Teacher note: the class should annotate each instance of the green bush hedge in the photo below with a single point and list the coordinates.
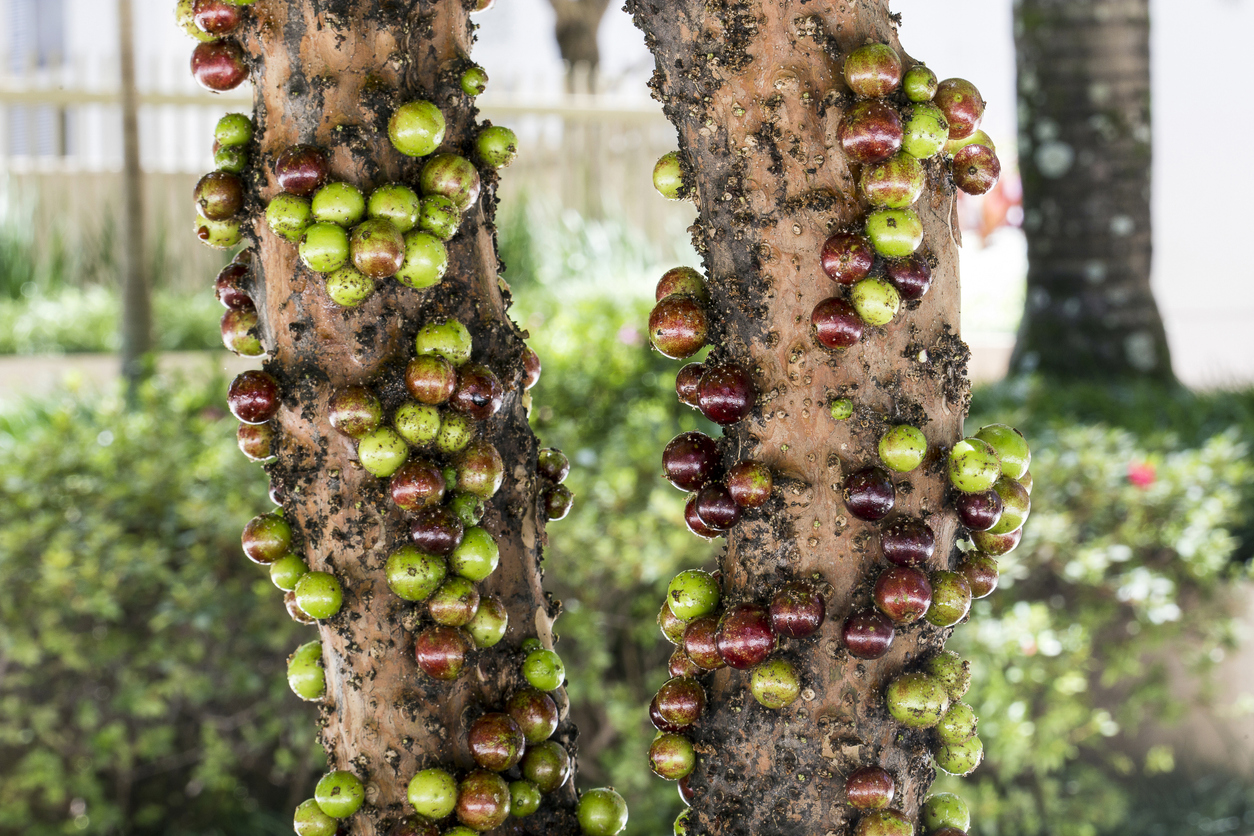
(142, 684)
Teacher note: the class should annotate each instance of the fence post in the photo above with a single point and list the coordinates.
(136, 296)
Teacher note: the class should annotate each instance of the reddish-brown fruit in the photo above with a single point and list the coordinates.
(835, 324)
(535, 713)
(996, 544)
(680, 665)
(229, 288)
(744, 637)
(981, 573)
(217, 17)
(797, 610)
(659, 721)
(869, 493)
(417, 484)
(847, 257)
(354, 411)
(219, 65)
(301, 169)
(681, 280)
(750, 484)
(903, 594)
(725, 394)
(911, 276)
(482, 801)
(531, 368)
(678, 326)
(961, 104)
(430, 379)
(907, 541)
(219, 195)
(478, 393)
(976, 169)
(436, 530)
(256, 441)
(496, 741)
(552, 464)
(680, 701)
(700, 645)
(870, 788)
(870, 132)
(716, 508)
(867, 634)
(441, 651)
(253, 397)
(979, 511)
(690, 460)
(694, 523)
(377, 248)
(557, 501)
(687, 381)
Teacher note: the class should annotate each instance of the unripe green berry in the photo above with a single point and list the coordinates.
(875, 300)
(919, 83)
(456, 433)
(680, 827)
(902, 448)
(439, 216)
(491, 621)
(338, 203)
(232, 158)
(287, 570)
(973, 466)
(926, 131)
(233, 129)
(339, 794)
(448, 339)
(884, 823)
(497, 146)
(692, 593)
(221, 235)
(944, 809)
(524, 798)
(953, 146)
(895, 233)
(775, 683)
(476, 556)
(960, 758)
(951, 598)
(396, 203)
(426, 261)
(601, 812)
(951, 671)
(467, 507)
(433, 793)
(917, 700)
(841, 409)
(414, 574)
(319, 595)
(668, 176)
(1010, 446)
(348, 288)
(1016, 504)
(382, 452)
(417, 423)
(958, 725)
(416, 128)
(544, 670)
(305, 675)
(474, 81)
(309, 820)
(288, 216)
(324, 248)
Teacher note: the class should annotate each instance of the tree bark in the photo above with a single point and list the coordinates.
(132, 260)
(756, 92)
(1084, 154)
(330, 73)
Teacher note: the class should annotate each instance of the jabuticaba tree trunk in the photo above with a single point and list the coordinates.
(330, 73)
(756, 93)
(1084, 154)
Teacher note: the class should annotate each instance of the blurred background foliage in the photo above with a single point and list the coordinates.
(142, 657)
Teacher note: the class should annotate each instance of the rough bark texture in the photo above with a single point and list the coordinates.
(756, 92)
(1084, 153)
(330, 73)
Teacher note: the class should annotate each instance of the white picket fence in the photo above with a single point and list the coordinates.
(60, 151)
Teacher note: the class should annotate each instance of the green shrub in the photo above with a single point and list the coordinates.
(143, 685)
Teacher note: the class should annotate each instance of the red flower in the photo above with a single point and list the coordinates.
(1141, 474)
